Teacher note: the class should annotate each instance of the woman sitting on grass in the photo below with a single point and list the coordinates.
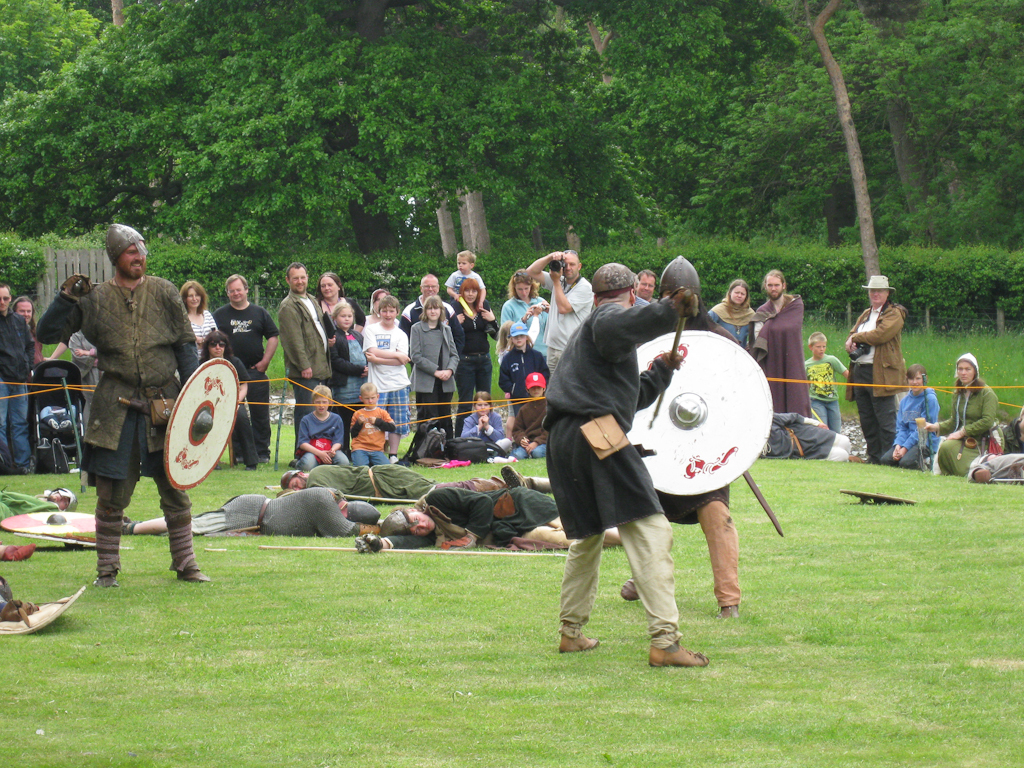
(974, 414)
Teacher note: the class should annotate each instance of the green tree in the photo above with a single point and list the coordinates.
(38, 37)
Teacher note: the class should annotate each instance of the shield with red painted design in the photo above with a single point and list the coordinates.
(714, 420)
(201, 423)
(53, 526)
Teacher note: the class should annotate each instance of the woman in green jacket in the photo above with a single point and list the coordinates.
(974, 415)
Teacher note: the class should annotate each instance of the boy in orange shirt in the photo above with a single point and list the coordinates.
(369, 426)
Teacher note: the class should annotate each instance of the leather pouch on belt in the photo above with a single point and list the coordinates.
(504, 506)
(160, 410)
(604, 435)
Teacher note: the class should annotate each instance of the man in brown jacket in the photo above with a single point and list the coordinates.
(304, 341)
(876, 358)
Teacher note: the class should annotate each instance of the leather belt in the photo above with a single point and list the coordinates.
(263, 511)
(376, 490)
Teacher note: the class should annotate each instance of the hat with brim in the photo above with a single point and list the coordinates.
(518, 329)
(878, 283)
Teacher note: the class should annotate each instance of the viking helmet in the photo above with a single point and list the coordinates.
(67, 494)
(613, 278)
(395, 524)
(679, 274)
(119, 237)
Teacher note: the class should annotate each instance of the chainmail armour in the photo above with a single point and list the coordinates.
(312, 512)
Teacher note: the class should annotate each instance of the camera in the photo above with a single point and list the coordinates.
(859, 351)
(556, 265)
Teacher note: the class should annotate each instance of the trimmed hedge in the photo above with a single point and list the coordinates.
(969, 282)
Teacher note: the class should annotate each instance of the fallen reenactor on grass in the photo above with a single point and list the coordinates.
(989, 468)
(456, 518)
(312, 512)
(390, 481)
(797, 437)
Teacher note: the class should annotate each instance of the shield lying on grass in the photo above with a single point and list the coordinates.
(65, 527)
(47, 614)
(877, 498)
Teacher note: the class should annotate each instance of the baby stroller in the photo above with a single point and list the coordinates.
(53, 426)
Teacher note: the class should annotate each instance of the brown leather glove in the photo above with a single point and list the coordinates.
(76, 286)
(369, 542)
(18, 610)
(685, 302)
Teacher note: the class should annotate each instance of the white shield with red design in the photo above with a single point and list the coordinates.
(201, 423)
(714, 420)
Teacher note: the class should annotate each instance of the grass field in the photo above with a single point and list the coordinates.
(869, 636)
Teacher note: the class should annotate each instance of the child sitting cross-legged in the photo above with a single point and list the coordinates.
(529, 436)
(321, 434)
(370, 426)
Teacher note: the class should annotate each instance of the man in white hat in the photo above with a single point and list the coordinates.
(876, 358)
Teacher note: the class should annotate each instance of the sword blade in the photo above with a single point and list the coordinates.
(764, 502)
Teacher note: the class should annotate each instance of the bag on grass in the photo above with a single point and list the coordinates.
(472, 449)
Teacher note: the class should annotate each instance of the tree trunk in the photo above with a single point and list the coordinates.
(869, 248)
(449, 245)
(537, 237)
(572, 239)
(117, 11)
(372, 230)
(600, 45)
(475, 235)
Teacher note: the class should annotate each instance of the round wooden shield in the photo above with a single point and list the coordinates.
(714, 420)
(47, 614)
(201, 423)
(78, 525)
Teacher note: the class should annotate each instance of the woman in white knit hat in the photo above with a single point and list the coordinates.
(967, 428)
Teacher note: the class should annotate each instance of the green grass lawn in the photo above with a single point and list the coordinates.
(869, 636)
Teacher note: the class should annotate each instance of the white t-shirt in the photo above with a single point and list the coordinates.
(455, 280)
(387, 378)
(562, 327)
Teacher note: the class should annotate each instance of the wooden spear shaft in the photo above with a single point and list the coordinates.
(429, 551)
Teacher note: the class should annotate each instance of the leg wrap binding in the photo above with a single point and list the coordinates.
(108, 541)
(179, 531)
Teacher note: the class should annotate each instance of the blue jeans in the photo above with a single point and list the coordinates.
(14, 413)
(538, 453)
(369, 459)
(828, 412)
(308, 461)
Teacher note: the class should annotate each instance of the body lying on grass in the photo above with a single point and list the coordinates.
(312, 512)
(391, 481)
(456, 518)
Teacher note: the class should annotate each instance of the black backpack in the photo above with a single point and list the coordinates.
(427, 443)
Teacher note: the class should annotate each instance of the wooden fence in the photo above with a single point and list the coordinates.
(60, 265)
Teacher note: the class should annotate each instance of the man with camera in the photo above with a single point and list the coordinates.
(572, 299)
(878, 362)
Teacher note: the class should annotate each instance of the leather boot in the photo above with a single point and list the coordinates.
(676, 656)
(575, 644)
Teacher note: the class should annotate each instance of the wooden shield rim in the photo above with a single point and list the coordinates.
(167, 434)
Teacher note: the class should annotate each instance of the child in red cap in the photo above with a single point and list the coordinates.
(529, 438)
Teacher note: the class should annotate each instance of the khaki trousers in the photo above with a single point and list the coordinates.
(724, 551)
(648, 544)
